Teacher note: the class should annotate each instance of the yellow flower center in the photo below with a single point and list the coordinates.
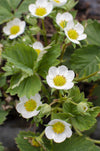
(40, 11)
(38, 51)
(59, 80)
(35, 143)
(14, 29)
(30, 105)
(63, 23)
(58, 127)
(57, 1)
(72, 34)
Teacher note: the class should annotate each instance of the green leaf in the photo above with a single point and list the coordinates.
(85, 122)
(76, 143)
(5, 15)
(23, 8)
(69, 5)
(1, 147)
(22, 57)
(93, 33)
(84, 61)
(76, 95)
(3, 115)
(2, 80)
(23, 143)
(28, 87)
(62, 116)
(49, 59)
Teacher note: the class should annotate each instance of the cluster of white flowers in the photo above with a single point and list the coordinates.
(58, 78)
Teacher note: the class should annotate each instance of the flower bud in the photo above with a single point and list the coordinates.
(82, 107)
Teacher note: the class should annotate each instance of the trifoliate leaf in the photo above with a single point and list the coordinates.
(76, 143)
(93, 33)
(3, 115)
(49, 59)
(28, 87)
(85, 61)
(22, 57)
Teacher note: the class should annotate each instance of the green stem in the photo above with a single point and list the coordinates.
(84, 78)
(63, 50)
(73, 103)
(93, 140)
(77, 131)
(44, 32)
(42, 134)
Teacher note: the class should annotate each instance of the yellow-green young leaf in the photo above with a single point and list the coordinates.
(85, 61)
(22, 57)
(76, 143)
(49, 59)
(85, 122)
(93, 33)
(1, 147)
(28, 87)
(23, 144)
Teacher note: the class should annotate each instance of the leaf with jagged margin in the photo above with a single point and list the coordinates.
(23, 143)
(23, 8)
(3, 115)
(22, 57)
(85, 122)
(93, 33)
(28, 87)
(69, 5)
(5, 15)
(76, 95)
(10, 69)
(49, 59)
(76, 143)
(84, 61)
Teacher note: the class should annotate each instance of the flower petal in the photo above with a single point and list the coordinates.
(79, 28)
(82, 37)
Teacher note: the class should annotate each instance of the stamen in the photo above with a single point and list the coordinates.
(59, 80)
(63, 23)
(57, 1)
(41, 11)
(72, 34)
(58, 127)
(30, 105)
(14, 30)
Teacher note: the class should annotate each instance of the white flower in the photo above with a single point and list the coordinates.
(39, 48)
(63, 19)
(58, 130)
(14, 28)
(75, 32)
(28, 107)
(60, 78)
(58, 3)
(41, 8)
